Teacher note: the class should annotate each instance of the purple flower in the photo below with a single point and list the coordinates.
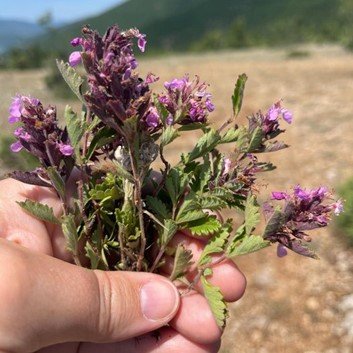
(16, 147)
(281, 250)
(276, 111)
(15, 110)
(303, 210)
(151, 78)
(65, 149)
(75, 58)
(76, 42)
(176, 84)
(279, 195)
(227, 163)
(152, 118)
(210, 106)
(169, 121)
(141, 42)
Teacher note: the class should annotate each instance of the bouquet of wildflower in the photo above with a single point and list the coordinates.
(120, 211)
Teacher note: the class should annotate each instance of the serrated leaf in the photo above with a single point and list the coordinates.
(211, 202)
(192, 126)
(157, 207)
(190, 216)
(231, 135)
(169, 135)
(72, 78)
(252, 214)
(189, 211)
(57, 181)
(256, 140)
(216, 245)
(275, 222)
(237, 97)
(40, 211)
(182, 261)
(169, 230)
(70, 232)
(175, 184)
(248, 245)
(204, 145)
(204, 226)
(223, 193)
(74, 127)
(216, 302)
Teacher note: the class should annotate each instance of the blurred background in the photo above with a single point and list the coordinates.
(298, 50)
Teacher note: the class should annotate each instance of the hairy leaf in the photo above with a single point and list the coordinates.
(248, 245)
(204, 226)
(72, 78)
(157, 207)
(216, 302)
(231, 135)
(274, 223)
(212, 203)
(169, 135)
(256, 140)
(92, 255)
(169, 230)
(190, 216)
(40, 211)
(237, 97)
(70, 232)
(204, 145)
(182, 261)
(252, 214)
(216, 245)
(75, 127)
(57, 181)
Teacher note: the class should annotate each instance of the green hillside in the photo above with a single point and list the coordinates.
(180, 24)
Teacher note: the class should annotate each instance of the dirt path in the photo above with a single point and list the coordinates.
(292, 305)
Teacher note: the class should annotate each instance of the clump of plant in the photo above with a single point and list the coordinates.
(120, 211)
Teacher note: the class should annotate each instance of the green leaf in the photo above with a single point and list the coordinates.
(192, 126)
(252, 214)
(204, 145)
(248, 245)
(216, 245)
(122, 172)
(189, 211)
(70, 232)
(211, 202)
(182, 261)
(190, 216)
(256, 140)
(157, 207)
(216, 302)
(169, 135)
(72, 78)
(237, 97)
(169, 230)
(93, 256)
(231, 135)
(75, 127)
(57, 181)
(274, 223)
(40, 211)
(101, 138)
(204, 226)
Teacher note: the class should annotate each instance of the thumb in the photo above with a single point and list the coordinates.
(59, 302)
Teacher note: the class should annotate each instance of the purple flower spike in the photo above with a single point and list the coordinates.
(281, 250)
(16, 147)
(338, 207)
(15, 110)
(169, 121)
(210, 106)
(141, 42)
(66, 150)
(287, 116)
(75, 58)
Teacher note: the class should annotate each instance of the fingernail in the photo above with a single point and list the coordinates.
(159, 300)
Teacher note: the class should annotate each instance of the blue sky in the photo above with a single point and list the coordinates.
(62, 10)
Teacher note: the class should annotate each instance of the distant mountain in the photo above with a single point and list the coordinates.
(14, 33)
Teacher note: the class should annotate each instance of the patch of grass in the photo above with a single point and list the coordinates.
(298, 54)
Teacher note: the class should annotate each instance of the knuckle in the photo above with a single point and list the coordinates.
(118, 301)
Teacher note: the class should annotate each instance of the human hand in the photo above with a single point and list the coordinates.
(50, 305)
